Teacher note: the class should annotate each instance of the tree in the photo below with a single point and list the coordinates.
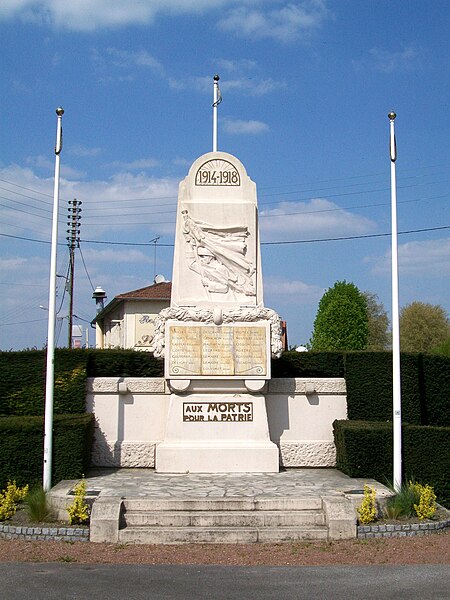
(423, 327)
(341, 321)
(379, 334)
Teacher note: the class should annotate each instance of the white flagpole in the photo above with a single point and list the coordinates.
(396, 377)
(217, 99)
(49, 382)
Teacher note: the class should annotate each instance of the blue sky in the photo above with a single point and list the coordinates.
(306, 90)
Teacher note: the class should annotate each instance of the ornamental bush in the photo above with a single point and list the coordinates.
(9, 499)
(368, 510)
(79, 509)
(342, 321)
(427, 502)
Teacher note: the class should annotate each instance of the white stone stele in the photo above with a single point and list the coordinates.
(217, 259)
(211, 442)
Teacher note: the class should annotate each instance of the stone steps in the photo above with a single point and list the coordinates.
(186, 518)
(221, 520)
(219, 535)
(232, 520)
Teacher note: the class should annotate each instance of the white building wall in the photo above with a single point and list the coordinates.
(130, 325)
(131, 416)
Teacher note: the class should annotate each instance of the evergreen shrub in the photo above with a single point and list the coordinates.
(436, 385)
(23, 377)
(365, 449)
(123, 363)
(23, 382)
(308, 364)
(22, 447)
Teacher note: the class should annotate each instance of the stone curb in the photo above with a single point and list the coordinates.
(55, 534)
(408, 530)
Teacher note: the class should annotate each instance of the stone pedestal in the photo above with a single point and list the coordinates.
(217, 433)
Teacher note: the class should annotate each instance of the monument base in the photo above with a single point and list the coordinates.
(217, 458)
(217, 433)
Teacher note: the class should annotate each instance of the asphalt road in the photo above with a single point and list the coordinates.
(197, 582)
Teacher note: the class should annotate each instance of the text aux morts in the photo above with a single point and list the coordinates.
(223, 412)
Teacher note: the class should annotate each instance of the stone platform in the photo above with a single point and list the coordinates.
(142, 506)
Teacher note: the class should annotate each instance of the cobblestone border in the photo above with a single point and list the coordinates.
(55, 534)
(387, 531)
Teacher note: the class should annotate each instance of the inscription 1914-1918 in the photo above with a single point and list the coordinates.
(217, 172)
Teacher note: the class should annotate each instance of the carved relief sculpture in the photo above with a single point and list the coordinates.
(218, 256)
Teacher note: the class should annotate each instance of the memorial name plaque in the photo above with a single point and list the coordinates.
(185, 347)
(224, 351)
(220, 412)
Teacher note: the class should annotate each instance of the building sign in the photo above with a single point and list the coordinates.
(219, 412)
(144, 329)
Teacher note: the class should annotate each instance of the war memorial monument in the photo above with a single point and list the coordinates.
(217, 337)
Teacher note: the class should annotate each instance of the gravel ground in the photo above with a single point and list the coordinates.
(429, 549)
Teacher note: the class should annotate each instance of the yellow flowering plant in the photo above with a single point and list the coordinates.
(9, 498)
(79, 509)
(427, 502)
(368, 509)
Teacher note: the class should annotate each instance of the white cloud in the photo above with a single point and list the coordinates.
(303, 220)
(26, 279)
(82, 151)
(426, 259)
(139, 58)
(111, 256)
(43, 162)
(140, 163)
(248, 85)
(247, 18)
(231, 66)
(90, 15)
(292, 290)
(124, 202)
(238, 126)
(119, 65)
(387, 61)
(285, 24)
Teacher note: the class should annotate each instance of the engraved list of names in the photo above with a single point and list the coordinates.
(218, 351)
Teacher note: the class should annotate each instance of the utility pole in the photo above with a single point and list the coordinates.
(73, 240)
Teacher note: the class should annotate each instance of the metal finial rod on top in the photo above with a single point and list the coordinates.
(217, 99)
(396, 377)
(49, 382)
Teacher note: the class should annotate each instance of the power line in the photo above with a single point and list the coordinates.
(24, 284)
(314, 190)
(355, 237)
(22, 322)
(85, 268)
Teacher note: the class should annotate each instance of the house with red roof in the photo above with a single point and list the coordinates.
(128, 320)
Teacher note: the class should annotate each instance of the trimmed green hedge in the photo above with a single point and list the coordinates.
(23, 382)
(22, 448)
(425, 380)
(308, 364)
(23, 377)
(369, 387)
(365, 449)
(123, 363)
(368, 375)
